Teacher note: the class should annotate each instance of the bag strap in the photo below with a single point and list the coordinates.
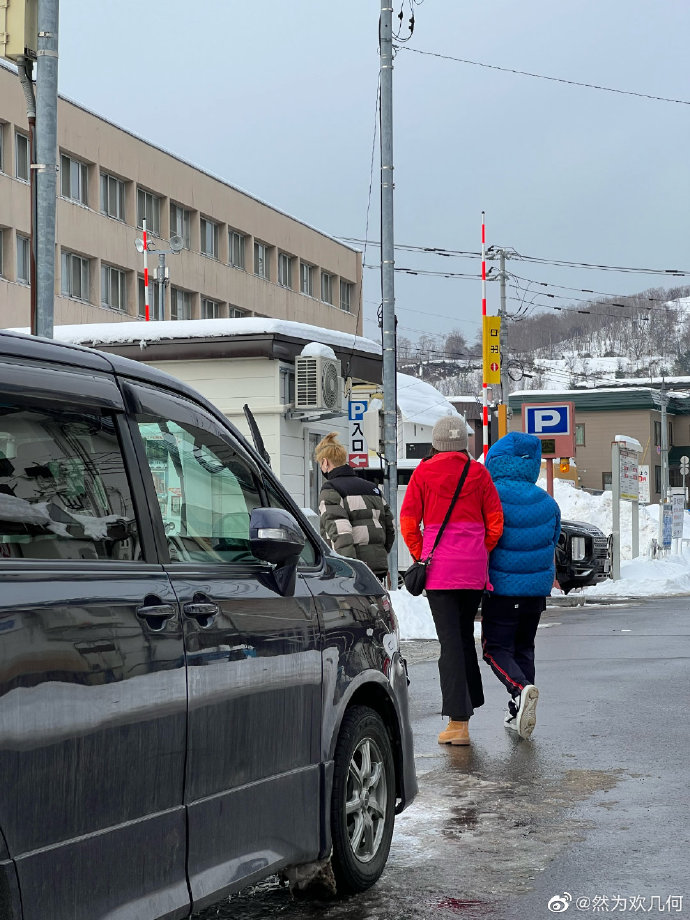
(455, 497)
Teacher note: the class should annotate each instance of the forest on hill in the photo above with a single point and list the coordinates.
(583, 344)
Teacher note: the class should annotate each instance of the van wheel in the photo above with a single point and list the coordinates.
(363, 802)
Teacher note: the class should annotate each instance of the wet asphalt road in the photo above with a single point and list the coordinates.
(594, 807)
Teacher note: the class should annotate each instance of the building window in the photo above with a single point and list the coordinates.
(261, 256)
(21, 156)
(657, 434)
(112, 196)
(606, 482)
(2, 245)
(154, 300)
(284, 270)
(657, 479)
(180, 219)
(113, 288)
(23, 259)
(236, 241)
(326, 287)
(74, 280)
(73, 179)
(209, 238)
(180, 304)
(149, 208)
(306, 279)
(345, 296)
(580, 435)
(287, 386)
(210, 309)
(236, 313)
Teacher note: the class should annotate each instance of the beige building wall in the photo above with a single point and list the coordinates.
(96, 244)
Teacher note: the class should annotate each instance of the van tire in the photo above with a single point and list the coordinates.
(363, 801)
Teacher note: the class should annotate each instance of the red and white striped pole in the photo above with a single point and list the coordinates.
(485, 407)
(146, 272)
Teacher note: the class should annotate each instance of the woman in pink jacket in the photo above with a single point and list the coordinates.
(458, 572)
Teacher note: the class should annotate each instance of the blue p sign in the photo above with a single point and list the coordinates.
(356, 409)
(547, 420)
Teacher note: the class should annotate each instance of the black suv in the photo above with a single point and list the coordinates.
(582, 555)
(195, 692)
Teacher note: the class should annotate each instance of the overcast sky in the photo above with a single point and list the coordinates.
(279, 99)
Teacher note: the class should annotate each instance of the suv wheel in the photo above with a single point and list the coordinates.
(363, 803)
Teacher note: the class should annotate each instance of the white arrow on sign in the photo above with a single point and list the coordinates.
(358, 460)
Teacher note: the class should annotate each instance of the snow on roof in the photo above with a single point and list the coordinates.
(550, 394)
(143, 333)
(422, 403)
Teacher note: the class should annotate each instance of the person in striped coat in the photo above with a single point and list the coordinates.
(354, 517)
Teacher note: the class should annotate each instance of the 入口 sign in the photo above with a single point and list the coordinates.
(358, 448)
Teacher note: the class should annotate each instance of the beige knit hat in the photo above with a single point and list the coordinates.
(450, 433)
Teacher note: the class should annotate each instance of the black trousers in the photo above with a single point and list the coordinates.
(509, 625)
(458, 668)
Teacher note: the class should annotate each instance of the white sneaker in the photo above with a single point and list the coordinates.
(526, 718)
(510, 720)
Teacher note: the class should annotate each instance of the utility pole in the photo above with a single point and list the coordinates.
(161, 277)
(390, 404)
(25, 70)
(46, 165)
(504, 330)
(661, 399)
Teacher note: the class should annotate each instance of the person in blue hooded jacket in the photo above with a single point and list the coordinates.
(521, 570)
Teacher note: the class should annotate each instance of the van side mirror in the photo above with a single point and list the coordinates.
(275, 536)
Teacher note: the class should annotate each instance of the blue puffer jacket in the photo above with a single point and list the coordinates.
(522, 564)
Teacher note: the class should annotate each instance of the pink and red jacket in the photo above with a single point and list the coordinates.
(475, 525)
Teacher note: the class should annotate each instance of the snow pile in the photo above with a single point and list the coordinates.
(642, 577)
(421, 402)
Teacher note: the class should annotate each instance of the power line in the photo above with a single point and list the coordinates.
(514, 254)
(539, 76)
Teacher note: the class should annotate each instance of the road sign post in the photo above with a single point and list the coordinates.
(554, 425)
(625, 486)
(684, 470)
(358, 449)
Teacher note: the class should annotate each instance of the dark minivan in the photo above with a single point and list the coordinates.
(195, 693)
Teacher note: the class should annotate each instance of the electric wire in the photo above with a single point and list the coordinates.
(539, 76)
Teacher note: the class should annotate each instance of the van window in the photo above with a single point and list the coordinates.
(64, 493)
(205, 492)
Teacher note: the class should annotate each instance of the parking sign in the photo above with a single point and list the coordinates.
(553, 424)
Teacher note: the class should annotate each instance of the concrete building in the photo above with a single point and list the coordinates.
(240, 257)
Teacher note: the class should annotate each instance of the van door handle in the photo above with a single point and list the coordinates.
(203, 611)
(156, 615)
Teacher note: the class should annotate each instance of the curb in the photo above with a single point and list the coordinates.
(581, 600)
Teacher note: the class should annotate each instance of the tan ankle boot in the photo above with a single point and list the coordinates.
(455, 733)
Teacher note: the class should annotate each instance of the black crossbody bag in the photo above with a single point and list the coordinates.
(415, 576)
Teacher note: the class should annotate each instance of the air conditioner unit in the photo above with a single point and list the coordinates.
(318, 384)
